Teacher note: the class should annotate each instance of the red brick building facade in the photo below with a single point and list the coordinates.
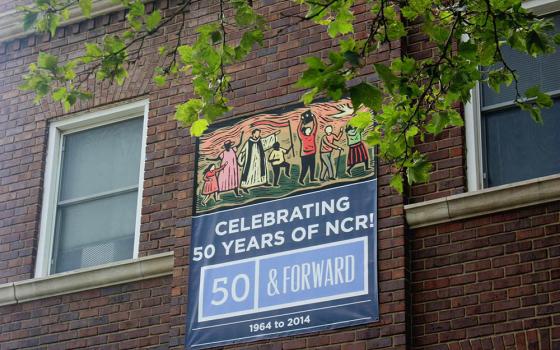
(452, 274)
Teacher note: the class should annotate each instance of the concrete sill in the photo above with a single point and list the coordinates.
(487, 201)
(88, 278)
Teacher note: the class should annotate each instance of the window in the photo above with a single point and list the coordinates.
(504, 144)
(92, 197)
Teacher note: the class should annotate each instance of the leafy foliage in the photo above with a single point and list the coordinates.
(414, 98)
(420, 98)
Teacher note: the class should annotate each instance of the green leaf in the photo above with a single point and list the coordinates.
(153, 20)
(406, 66)
(71, 98)
(409, 13)
(367, 95)
(186, 52)
(120, 75)
(314, 62)
(245, 16)
(136, 9)
(340, 26)
(188, 112)
(216, 36)
(308, 96)
(214, 110)
(419, 171)
(311, 78)
(128, 34)
(53, 24)
(59, 94)
(85, 5)
(47, 61)
(347, 45)
(455, 118)
(467, 50)
(534, 111)
(198, 127)
(412, 131)
(159, 80)
(65, 14)
(541, 99)
(29, 20)
(362, 120)
(69, 74)
(536, 43)
(498, 77)
(397, 183)
(353, 58)
(135, 23)
(373, 138)
(386, 75)
(486, 54)
(438, 121)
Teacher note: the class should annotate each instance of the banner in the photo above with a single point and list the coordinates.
(284, 231)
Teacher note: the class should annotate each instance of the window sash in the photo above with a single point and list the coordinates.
(100, 195)
(110, 219)
(473, 111)
(57, 130)
(511, 104)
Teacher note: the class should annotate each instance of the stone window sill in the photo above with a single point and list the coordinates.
(487, 201)
(88, 278)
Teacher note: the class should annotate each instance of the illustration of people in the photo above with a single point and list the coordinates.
(211, 182)
(307, 136)
(277, 158)
(253, 160)
(228, 178)
(327, 147)
(357, 151)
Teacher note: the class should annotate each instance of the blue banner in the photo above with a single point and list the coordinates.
(287, 266)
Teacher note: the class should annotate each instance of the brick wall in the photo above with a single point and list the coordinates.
(491, 282)
(446, 150)
(264, 81)
(131, 316)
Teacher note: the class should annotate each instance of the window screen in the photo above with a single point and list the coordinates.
(515, 147)
(98, 191)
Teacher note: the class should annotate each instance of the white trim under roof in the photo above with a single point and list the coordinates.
(11, 22)
(11, 26)
(542, 7)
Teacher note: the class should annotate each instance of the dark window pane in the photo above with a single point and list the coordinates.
(517, 148)
(543, 71)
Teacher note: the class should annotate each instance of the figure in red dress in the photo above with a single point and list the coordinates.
(211, 182)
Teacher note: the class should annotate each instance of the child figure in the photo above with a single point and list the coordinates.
(278, 160)
(211, 182)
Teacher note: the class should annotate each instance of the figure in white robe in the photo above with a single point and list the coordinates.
(253, 160)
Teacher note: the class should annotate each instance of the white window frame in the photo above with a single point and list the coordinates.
(57, 130)
(473, 127)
